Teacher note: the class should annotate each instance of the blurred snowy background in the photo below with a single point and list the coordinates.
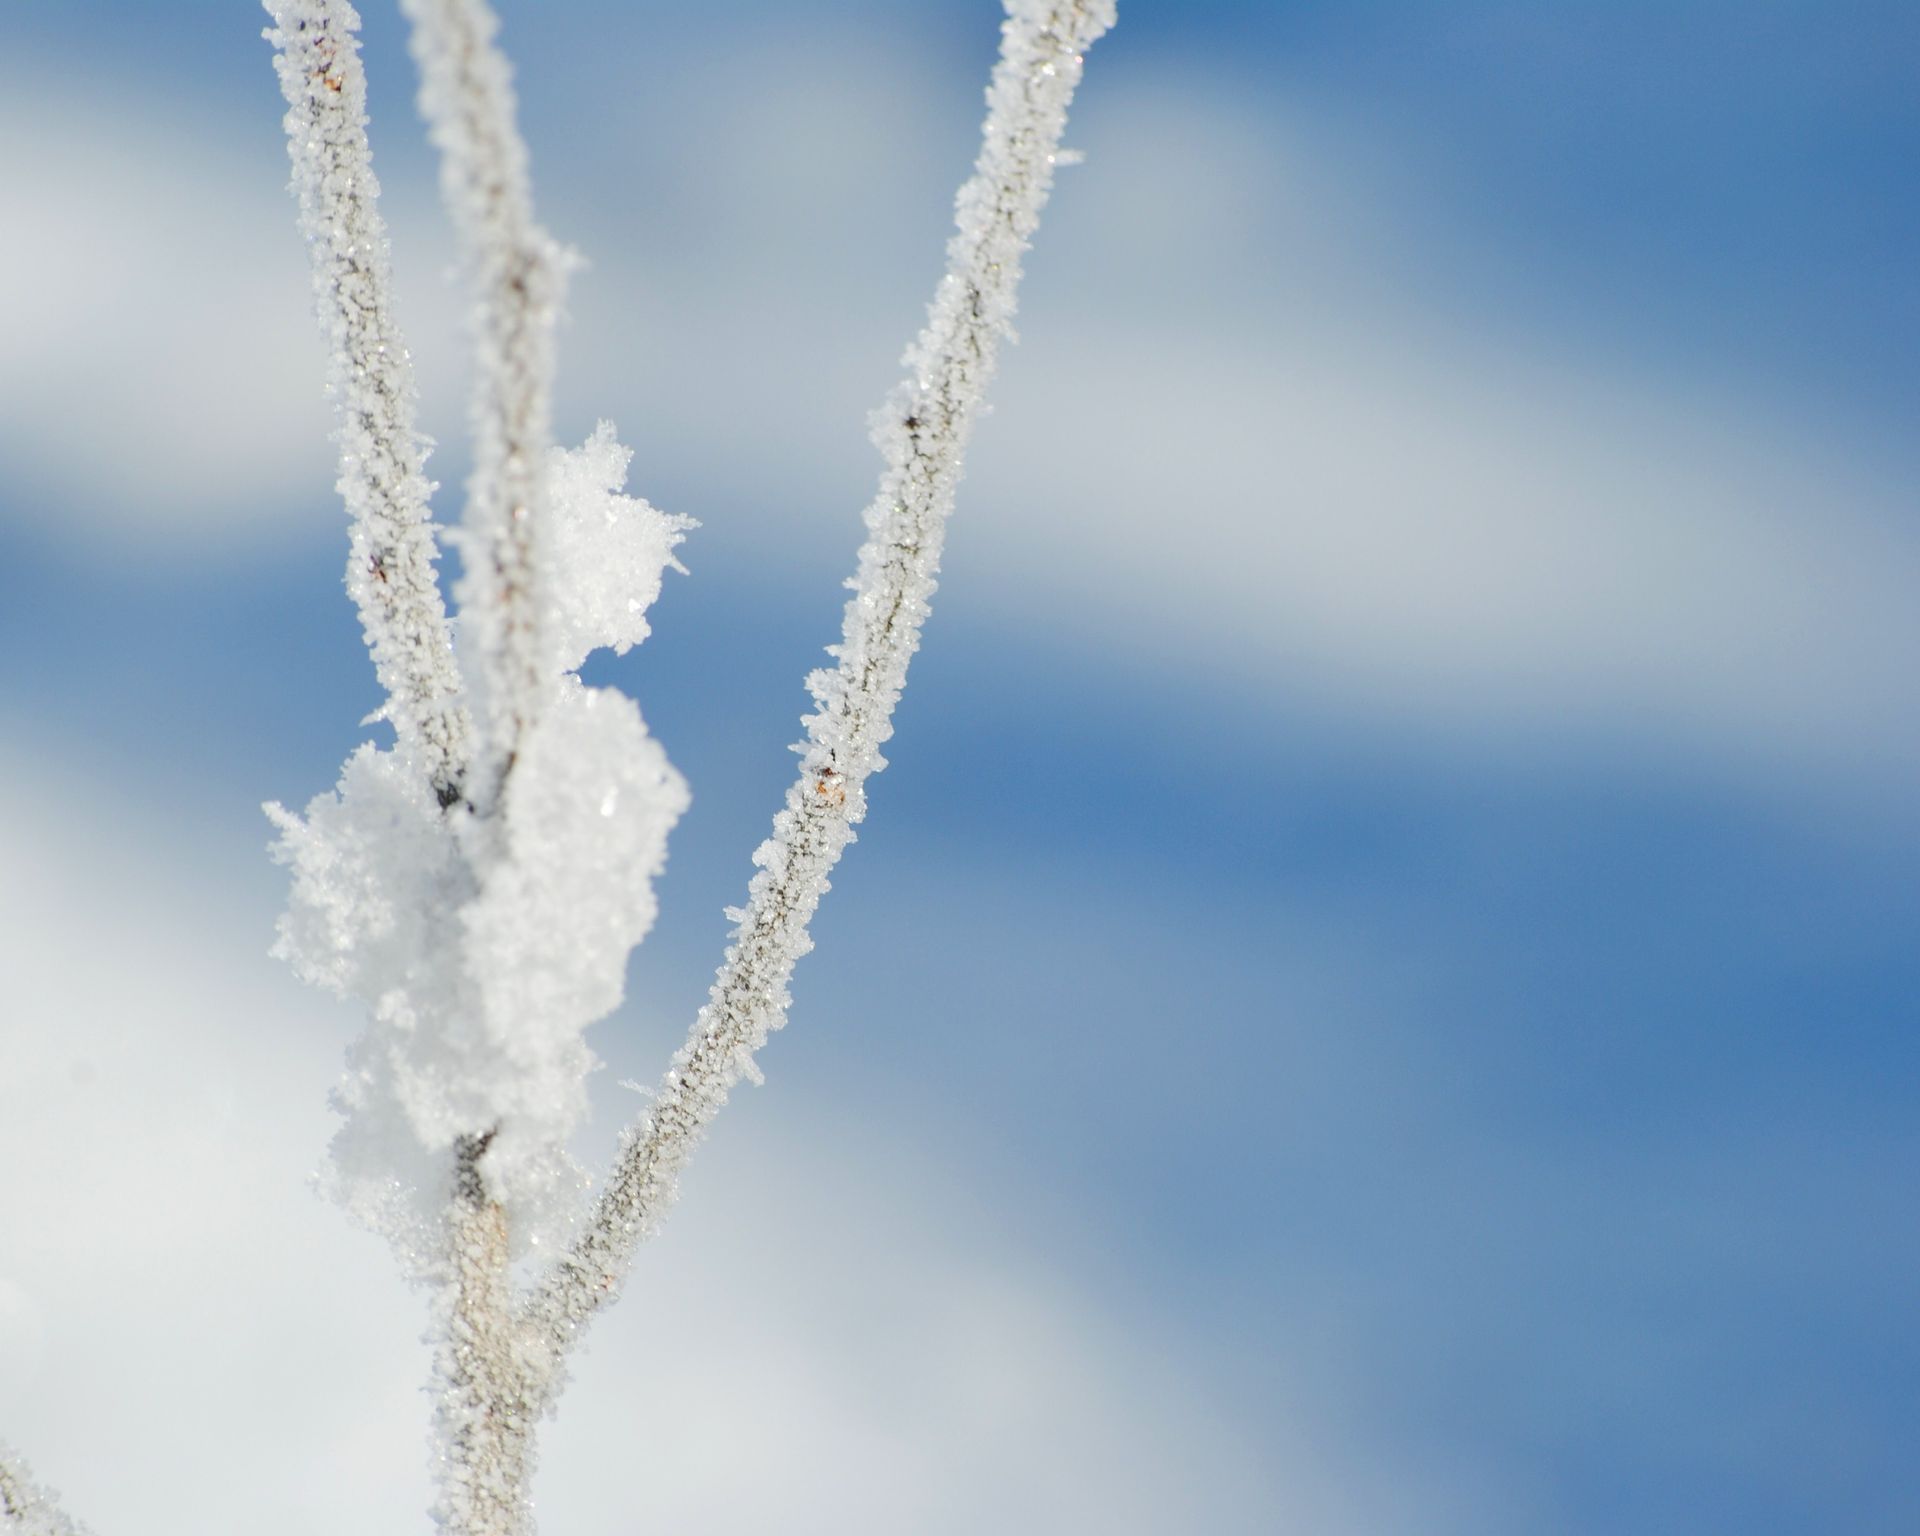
(1378, 994)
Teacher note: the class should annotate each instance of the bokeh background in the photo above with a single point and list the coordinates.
(1378, 993)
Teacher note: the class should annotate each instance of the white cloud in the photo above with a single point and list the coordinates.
(836, 1334)
(1243, 434)
(1450, 535)
(159, 380)
(1277, 440)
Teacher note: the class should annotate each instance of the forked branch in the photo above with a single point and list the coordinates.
(470, 986)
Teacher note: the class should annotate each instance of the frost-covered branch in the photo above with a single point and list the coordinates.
(26, 1509)
(485, 1417)
(516, 271)
(488, 1384)
(390, 570)
(922, 433)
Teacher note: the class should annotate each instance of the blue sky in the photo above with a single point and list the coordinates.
(1381, 977)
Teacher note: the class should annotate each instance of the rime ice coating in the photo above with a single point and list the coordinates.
(516, 273)
(483, 948)
(27, 1509)
(921, 433)
(383, 482)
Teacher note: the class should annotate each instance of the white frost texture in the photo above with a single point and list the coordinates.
(483, 948)
(606, 552)
(26, 1509)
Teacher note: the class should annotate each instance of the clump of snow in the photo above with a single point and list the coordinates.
(601, 545)
(374, 867)
(483, 948)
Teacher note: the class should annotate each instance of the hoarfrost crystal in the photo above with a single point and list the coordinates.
(601, 545)
(27, 1509)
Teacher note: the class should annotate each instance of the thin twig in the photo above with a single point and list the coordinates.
(922, 432)
(488, 1387)
(488, 1403)
(516, 272)
(390, 570)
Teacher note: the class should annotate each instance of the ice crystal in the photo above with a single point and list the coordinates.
(27, 1509)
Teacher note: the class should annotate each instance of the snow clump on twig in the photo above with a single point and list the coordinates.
(483, 947)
